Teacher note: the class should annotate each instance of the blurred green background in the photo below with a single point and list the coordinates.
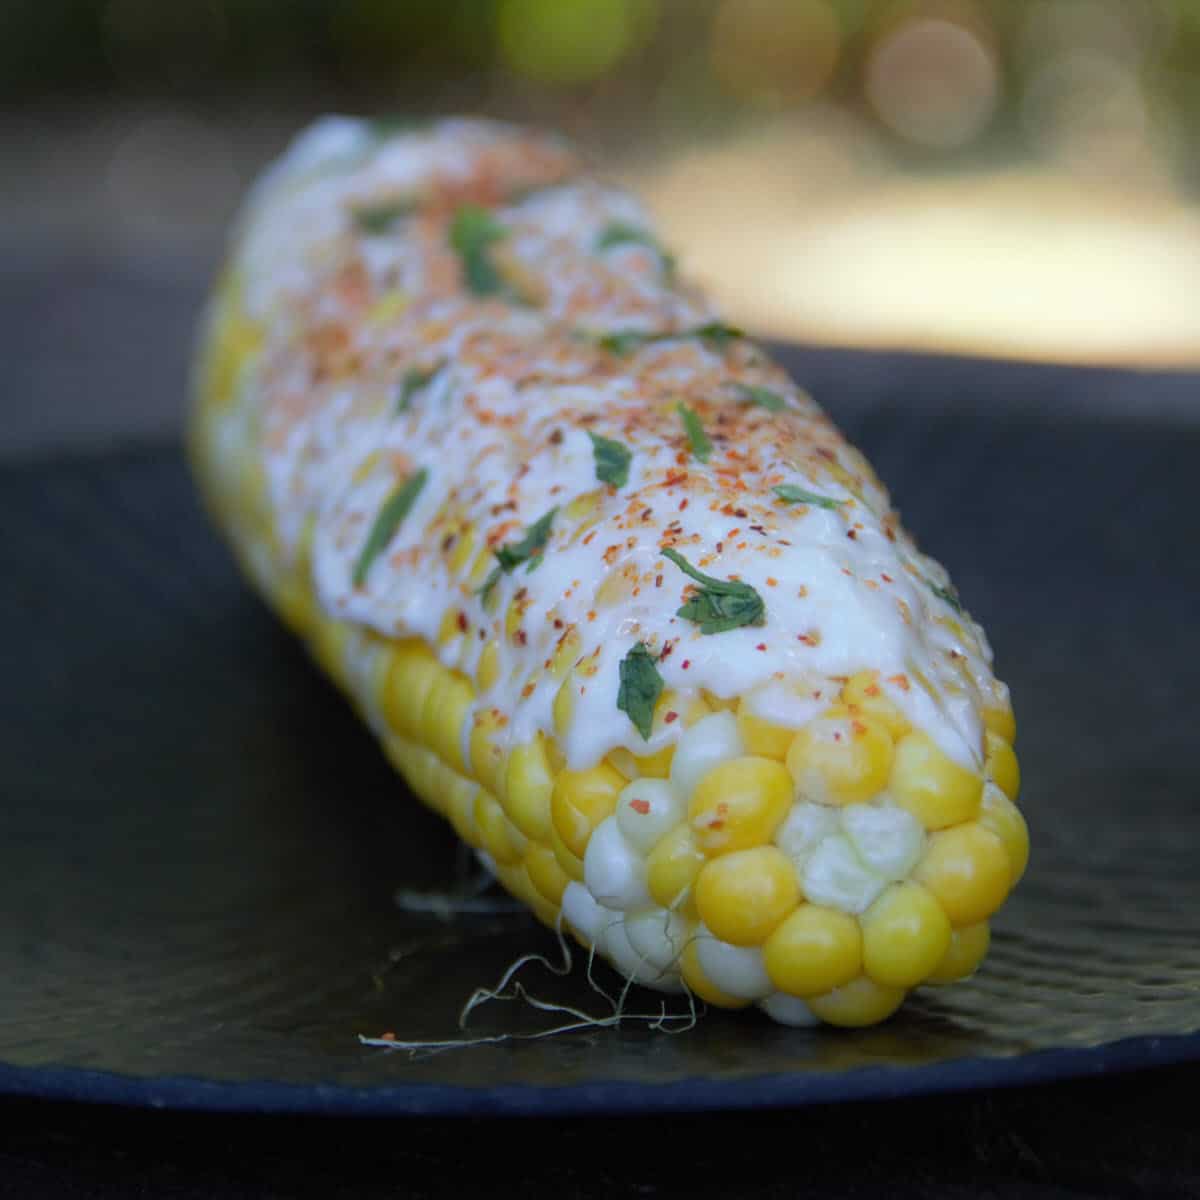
(1015, 177)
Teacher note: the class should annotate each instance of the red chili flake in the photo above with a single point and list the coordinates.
(761, 646)
(670, 716)
(527, 691)
(556, 437)
(872, 689)
(683, 504)
(462, 621)
(807, 638)
(558, 623)
(859, 728)
(666, 651)
(720, 547)
(740, 513)
(886, 578)
(758, 529)
(592, 615)
(901, 681)
(447, 543)
(588, 537)
(852, 535)
(521, 637)
(658, 581)
(734, 532)
(646, 514)
(640, 806)
(772, 581)
(687, 662)
(825, 453)
(837, 735)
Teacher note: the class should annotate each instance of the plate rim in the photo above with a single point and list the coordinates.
(609, 1097)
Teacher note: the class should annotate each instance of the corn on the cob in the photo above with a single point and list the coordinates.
(617, 598)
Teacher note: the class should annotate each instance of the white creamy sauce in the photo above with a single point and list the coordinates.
(502, 435)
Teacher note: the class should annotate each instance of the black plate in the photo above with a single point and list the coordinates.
(199, 844)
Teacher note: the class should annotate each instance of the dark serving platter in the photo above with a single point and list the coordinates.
(199, 845)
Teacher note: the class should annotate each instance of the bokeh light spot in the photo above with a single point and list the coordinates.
(774, 51)
(571, 41)
(933, 82)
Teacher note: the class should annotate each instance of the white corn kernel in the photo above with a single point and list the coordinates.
(711, 741)
(613, 870)
(631, 963)
(646, 810)
(836, 877)
(887, 838)
(580, 910)
(737, 971)
(788, 1010)
(658, 935)
(804, 828)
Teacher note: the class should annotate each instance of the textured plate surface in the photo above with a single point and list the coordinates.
(199, 845)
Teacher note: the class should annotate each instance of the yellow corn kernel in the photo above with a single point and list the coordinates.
(967, 870)
(813, 951)
(460, 810)
(581, 800)
(329, 648)
(563, 709)
(968, 948)
(905, 935)
(582, 506)
(739, 804)
(1004, 819)
(863, 693)
(763, 737)
(695, 978)
(411, 672)
(495, 832)
(671, 870)
(545, 873)
(513, 618)
(448, 630)
(860, 1002)
(566, 652)
(1002, 766)
(617, 587)
(623, 761)
(481, 568)
(294, 602)
(528, 785)
(743, 896)
(840, 759)
(1001, 722)
(718, 703)
(657, 765)
(461, 551)
(936, 790)
(488, 670)
(487, 749)
(444, 714)
(570, 863)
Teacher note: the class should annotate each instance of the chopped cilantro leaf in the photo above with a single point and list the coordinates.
(697, 438)
(720, 604)
(639, 690)
(395, 508)
(612, 460)
(789, 493)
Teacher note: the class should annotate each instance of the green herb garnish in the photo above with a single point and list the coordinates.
(485, 592)
(612, 460)
(530, 546)
(789, 493)
(763, 397)
(625, 341)
(639, 690)
(377, 219)
(473, 233)
(697, 438)
(720, 604)
(413, 380)
(949, 595)
(387, 521)
(621, 233)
